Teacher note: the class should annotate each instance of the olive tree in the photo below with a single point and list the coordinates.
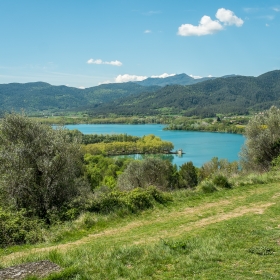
(147, 172)
(262, 140)
(39, 165)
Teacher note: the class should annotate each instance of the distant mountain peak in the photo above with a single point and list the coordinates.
(178, 79)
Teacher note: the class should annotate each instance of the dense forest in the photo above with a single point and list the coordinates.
(226, 95)
(232, 95)
(39, 96)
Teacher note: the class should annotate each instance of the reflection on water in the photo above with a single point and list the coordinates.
(199, 147)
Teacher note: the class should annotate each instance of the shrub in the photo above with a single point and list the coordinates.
(221, 181)
(207, 186)
(216, 166)
(187, 176)
(133, 201)
(18, 228)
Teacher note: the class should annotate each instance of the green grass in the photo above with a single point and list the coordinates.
(228, 234)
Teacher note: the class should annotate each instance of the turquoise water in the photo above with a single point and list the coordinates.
(199, 147)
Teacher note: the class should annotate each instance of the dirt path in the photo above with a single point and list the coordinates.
(190, 212)
(238, 212)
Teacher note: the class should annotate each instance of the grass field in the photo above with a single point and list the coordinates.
(230, 234)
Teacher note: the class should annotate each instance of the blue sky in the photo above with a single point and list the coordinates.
(87, 42)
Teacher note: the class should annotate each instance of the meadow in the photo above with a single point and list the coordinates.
(228, 234)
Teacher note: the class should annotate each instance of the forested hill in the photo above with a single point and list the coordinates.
(41, 96)
(179, 79)
(234, 94)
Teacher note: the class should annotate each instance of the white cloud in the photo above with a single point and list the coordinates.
(129, 78)
(276, 9)
(148, 31)
(81, 87)
(99, 61)
(105, 82)
(115, 63)
(206, 26)
(267, 25)
(195, 77)
(92, 61)
(164, 75)
(228, 17)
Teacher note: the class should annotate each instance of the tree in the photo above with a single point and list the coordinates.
(188, 176)
(262, 140)
(145, 173)
(39, 165)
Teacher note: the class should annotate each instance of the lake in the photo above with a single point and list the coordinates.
(199, 147)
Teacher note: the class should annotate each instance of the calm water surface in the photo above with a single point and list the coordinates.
(198, 147)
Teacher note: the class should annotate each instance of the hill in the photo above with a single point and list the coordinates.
(233, 94)
(39, 96)
(179, 79)
(228, 94)
(230, 234)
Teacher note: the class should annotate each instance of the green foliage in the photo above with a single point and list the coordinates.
(232, 95)
(107, 138)
(133, 201)
(17, 228)
(207, 186)
(188, 176)
(221, 181)
(227, 124)
(262, 250)
(147, 172)
(216, 166)
(237, 95)
(198, 236)
(147, 144)
(262, 144)
(103, 171)
(39, 96)
(39, 166)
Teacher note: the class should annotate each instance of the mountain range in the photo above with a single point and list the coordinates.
(178, 94)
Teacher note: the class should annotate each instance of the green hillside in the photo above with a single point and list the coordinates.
(229, 94)
(179, 79)
(237, 94)
(39, 96)
(231, 234)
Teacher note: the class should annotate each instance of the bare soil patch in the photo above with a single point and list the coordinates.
(39, 269)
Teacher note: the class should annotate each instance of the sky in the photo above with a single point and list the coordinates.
(84, 43)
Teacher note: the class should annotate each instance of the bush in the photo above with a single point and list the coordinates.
(18, 228)
(132, 201)
(187, 176)
(221, 181)
(216, 166)
(207, 186)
